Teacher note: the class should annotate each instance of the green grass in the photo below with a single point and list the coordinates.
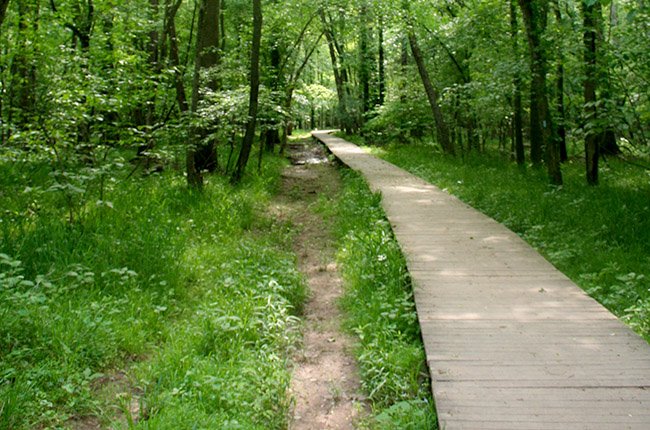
(598, 236)
(193, 296)
(381, 313)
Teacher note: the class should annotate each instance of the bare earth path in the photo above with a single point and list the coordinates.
(511, 342)
(325, 383)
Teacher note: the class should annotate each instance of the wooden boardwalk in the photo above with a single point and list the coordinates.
(511, 342)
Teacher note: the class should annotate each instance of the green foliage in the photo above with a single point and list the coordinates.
(155, 279)
(402, 121)
(379, 302)
(598, 236)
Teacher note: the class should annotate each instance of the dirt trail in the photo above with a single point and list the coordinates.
(325, 378)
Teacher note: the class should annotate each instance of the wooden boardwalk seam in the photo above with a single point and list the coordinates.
(511, 342)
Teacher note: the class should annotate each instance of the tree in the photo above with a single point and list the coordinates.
(432, 95)
(247, 143)
(381, 62)
(520, 154)
(535, 14)
(207, 59)
(337, 55)
(201, 155)
(592, 15)
(365, 57)
(23, 68)
(3, 9)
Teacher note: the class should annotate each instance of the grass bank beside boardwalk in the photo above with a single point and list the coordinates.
(381, 313)
(151, 306)
(598, 236)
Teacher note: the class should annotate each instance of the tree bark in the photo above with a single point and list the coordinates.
(520, 154)
(3, 10)
(559, 97)
(181, 97)
(340, 76)
(381, 63)
(200, 155)
(247, 143)
(432, 95)
(590, 21)
(364, 59)
(22, 88)
(291, 86)
(542, 133)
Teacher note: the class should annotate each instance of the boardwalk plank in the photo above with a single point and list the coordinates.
(510, 341)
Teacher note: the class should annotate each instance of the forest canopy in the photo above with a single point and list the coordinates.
(540, 80)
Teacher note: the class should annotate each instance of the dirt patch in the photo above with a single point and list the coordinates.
(123, 404)
(325, 385)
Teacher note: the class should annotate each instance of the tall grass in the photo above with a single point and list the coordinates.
(381, 313)
(193, 296)
(598, 236)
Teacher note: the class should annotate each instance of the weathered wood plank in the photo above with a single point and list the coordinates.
(511, 342)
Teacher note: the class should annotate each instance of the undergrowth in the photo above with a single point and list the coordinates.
(381, 313)
(598, 236)
(184, 304)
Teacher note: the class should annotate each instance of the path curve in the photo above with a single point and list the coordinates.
(511, 342)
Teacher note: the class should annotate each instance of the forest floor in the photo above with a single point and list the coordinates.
(325, 387)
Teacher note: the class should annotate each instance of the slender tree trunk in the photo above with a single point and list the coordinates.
(520, 154)
(541, 124)
(22, 90)
(154, 62)
(272, 135)
(175, 62)
(559, 98)
(403, 62)
(3, 10)
(288, 100)
(364, 59)
(247, 143)
(381, 63)
(222, 25)
(608, 144)
(538, 83)
(591, 15)
(339, 75)
(561, 113)
(432, 95)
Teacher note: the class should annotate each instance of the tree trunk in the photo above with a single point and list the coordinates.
(175, 62)
(542, 133)
(381, 63)
(520, 154)
(340, 76)
(201, 155)
(591, 16)
(561, 113)
(432, 95)
(559, 98)
(403, 62)
(288, 99)
(247, 143)
(3, 10)
(364, 59)
(272, 135)
(608, 143)
(23, 76)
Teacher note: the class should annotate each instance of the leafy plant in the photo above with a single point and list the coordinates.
(379, 301)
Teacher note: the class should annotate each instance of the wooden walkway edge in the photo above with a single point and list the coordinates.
(511, 342)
